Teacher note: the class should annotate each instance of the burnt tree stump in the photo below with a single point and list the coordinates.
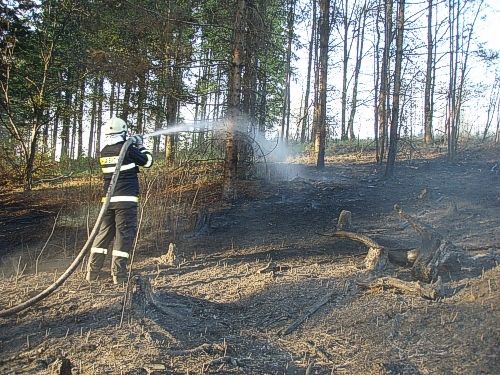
(345, 220)
(435, 255)
(141, 297)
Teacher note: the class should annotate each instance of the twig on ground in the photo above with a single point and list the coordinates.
(51, 179)
(46, 242)
(417, 288)
(203, 348)
(309, 311)
(272, 267)
(221, 361)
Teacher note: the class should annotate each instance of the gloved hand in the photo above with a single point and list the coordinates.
(137, 140)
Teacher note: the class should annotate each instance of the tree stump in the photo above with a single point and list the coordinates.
(452, 210)
(62, 366)
(435, 255)
(345, 220)
(140, 294)
(170, 258)
(141, 297)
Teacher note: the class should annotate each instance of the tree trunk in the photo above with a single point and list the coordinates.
(55, 127)
(285, 116)
(359, 57)
(345, 61)
(158, 121)
(141, 99)
(112, 99)
(80, 119)
(74, 125)
(305, 115)
(428, 137)
(93, 118)
(126, 102)
(384, 79)
(99, 117)
(376, 85)
(66, 121)
(263, 104)
(320, 111)
(172, 106)
(391, 158)
(249, 86)
(234, 98)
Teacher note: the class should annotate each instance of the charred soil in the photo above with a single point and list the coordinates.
(260, 286)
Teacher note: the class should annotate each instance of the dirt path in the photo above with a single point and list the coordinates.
(219, 313)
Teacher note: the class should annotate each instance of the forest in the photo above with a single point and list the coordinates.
(324, 195)
(68, 66)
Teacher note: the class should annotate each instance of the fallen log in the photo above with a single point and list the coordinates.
(414, 288)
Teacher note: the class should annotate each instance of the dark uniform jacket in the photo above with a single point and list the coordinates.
(126, 192)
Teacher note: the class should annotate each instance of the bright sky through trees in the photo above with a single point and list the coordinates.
(486, 36)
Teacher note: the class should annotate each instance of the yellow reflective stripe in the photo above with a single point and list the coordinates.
(122, 198)
(99, 250)
(108, 160)
(121, 254)
(122, 168)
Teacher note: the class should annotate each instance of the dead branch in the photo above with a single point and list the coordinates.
(377, 256)
(52, 179)
(221, 361)
(430, 238)
(46, 242)
(273, 268)
(203, 348)
(309, 311)
(365, 240)
(417, 288)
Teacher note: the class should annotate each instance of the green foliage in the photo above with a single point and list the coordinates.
(50, 48)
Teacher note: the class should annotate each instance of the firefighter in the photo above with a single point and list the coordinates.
(119, 223)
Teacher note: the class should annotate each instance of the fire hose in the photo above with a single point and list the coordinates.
(72, 267)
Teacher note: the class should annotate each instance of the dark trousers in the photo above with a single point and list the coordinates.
(120, 225)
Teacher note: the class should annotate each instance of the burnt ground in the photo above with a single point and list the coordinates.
(216, 312)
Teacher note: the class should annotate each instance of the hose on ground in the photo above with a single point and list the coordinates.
(72, 267)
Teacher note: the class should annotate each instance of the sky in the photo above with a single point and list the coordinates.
(487, 31)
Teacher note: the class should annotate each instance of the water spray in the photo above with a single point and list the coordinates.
(187, 127)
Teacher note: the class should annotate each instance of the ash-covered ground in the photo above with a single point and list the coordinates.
(219, 310)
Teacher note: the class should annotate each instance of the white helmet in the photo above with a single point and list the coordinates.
(114, 125)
